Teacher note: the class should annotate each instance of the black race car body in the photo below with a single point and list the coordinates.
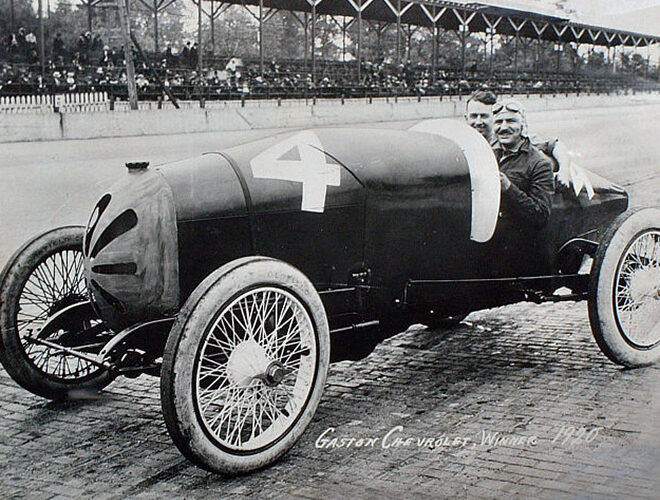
(379, 220)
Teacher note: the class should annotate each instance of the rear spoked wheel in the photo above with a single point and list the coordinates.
(44, 313)
(624, 295)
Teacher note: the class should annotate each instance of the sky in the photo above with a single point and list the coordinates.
(606, 7)
(631, 15)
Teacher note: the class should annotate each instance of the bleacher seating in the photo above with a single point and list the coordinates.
(291, 79)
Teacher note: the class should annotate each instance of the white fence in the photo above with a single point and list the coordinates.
(80, 102)
(99, 101)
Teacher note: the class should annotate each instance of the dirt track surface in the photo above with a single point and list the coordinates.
(531, 374)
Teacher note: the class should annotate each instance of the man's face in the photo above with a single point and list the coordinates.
(508, 128)
(480, 117)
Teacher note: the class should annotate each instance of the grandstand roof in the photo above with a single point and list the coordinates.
(479, 17)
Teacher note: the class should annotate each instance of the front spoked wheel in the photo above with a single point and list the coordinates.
(245, 365)
(42, 281)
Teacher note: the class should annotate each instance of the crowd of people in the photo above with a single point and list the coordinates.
(91, 65)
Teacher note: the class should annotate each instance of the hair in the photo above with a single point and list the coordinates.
(483, 96)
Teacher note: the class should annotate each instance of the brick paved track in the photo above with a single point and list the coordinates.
(524, 371)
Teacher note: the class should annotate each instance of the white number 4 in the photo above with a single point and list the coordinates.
(299, 158)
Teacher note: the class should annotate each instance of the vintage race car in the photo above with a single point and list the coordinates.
(239, 275)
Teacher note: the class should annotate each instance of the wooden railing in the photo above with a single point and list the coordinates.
(66, 103)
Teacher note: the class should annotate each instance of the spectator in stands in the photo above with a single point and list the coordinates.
(106, 59)
(20, 42)
(115, 56)
(58, 49)
(170, 60)
(192, 56)
(96, 49)
(81, 49)
(31, 47)
(185, 55)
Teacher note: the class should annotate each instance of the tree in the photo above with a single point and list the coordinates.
(170, 23)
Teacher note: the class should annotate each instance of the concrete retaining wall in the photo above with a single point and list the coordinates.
(255, 115)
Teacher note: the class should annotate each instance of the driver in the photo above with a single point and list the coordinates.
(525, 172)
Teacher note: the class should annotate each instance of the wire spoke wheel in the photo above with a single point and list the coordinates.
(255, 369)
(624, 290)
(44, 278)
(56, 282)
(245, 365)
(637, 291)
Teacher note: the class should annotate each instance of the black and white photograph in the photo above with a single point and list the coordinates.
(327, 249)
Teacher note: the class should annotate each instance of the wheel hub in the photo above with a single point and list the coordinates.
(248, 361)
(274, 373)
(645, 285)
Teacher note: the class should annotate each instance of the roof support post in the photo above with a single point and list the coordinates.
(261, 37)
(515, 60)
(306, 41)
(128, 52)
(42, 51)
(464, 30)
(398, 32)
(89, 15)
(313, 42)
(212, 22)
(343, 40)
(434, 16)
(491, 30)
(636, 42)
(492, 51)
(538, 29)
(560, 49)
(313, 4)
(463, 38)
(560, 45)
(398, 13)
(485, 42)
(434, 57)
(200, 52)
(11, 16)
(517, 28)
(213, 14)
(156, 28)
(359, 42)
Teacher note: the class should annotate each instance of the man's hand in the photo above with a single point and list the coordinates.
(505, 183)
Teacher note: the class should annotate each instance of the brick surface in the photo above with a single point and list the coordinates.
(521, 371)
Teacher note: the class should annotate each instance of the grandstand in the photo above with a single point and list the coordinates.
(513, 54)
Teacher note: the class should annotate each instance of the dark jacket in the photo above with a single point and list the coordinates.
(528, 200)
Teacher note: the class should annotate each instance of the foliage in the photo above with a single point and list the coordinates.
(235, 33)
